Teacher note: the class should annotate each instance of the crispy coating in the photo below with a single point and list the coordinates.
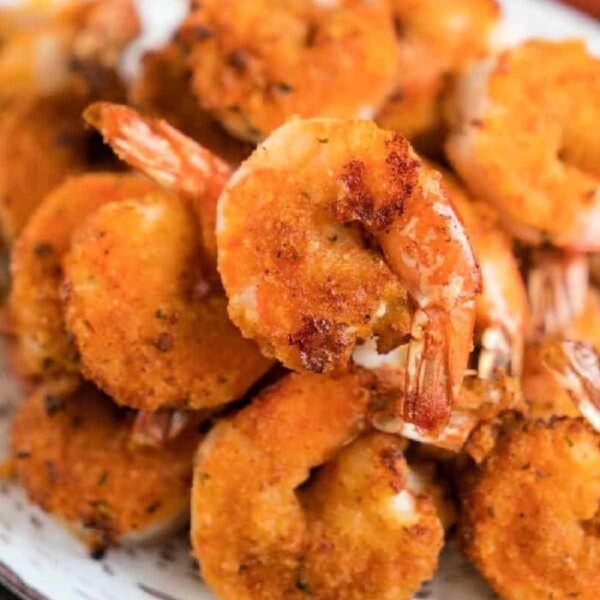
(263, 529)
(435, 41)
(320, 238)
(152, 330)
(164, 90)
(529, 518)
(522, 139)
(42, 347)
(256, 64)
(545, 396)
(71, 451)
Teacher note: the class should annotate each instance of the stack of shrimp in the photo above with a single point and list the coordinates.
(333, 301)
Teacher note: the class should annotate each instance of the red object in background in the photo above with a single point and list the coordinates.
(590, 6)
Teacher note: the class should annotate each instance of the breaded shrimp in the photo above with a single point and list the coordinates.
(502, 307)
(175, 161)
(530, 514)
(152, 331)
(334, 232)
(71, 452)
(362, 527)
(163, 89)
(42, 346)
(316, 243)
(523, 139)
(435, 41)
(594, 266)
(256, 64)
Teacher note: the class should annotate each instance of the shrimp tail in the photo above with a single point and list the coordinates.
(557, 288)
(153, 429)
(499, 353)
(576, 366)
(154, 147)
(172, 159)
(429, 395)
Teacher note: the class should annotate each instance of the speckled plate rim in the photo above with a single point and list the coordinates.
(40, 561)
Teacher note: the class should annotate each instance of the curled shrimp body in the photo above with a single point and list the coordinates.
(42, 346)
(521, 139)
(502, 307)
(255, 64)
(151, 330)
(546, 544)
(71, 452)
(435, 41)
(328, 235)
(363, 527)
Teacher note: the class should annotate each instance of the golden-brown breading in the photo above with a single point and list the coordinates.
(256, 64)
(152, 328)
(72, 452)
(319, 245)
(530, 514)
(362, 527)
(41, 344)
(521, 139)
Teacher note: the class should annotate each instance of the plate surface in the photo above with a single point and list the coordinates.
(40, 561)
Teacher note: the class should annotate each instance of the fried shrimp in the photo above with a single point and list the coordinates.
(71, 452)
(435, 41)
(42, 346)
(328, 235)
(522, 139)
(529, 518)
(255, 64)
(362, 527)
(502, 307)
(151, 330)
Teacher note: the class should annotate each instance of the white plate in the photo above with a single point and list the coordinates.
(40, 561)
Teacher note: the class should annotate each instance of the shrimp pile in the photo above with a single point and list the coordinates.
(243, 296)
